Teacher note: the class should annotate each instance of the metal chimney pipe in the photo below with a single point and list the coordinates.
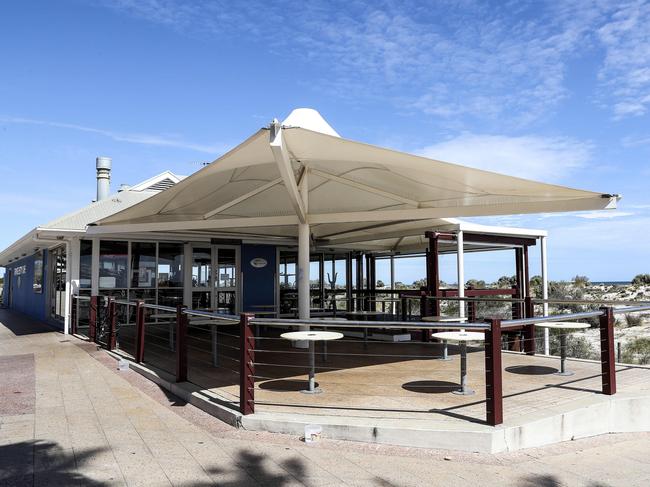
(103, 177)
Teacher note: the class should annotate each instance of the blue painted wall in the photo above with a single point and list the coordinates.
(24, 299)
(5, 287)
(259, 283)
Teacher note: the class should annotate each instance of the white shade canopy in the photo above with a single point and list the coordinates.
(352, 187)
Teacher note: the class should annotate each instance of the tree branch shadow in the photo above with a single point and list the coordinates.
(29, 462)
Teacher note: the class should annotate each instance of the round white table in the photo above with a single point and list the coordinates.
(444, 319)
(563, 325)
(312, 337)
(462, 337)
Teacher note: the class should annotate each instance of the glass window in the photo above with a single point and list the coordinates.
(287, 271)
(170, 265)
(38, 273)
(113, 264)
(227, 268)
(85, 264)
(170, 297)
(201, 267)
(314, 274)
(143, 264)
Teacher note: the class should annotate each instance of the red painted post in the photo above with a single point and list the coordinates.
(607, 351)
(529, 330)
(112, 320)
(92, 319)
(246, 365)
(139, 332)
(181, 344)
(493, 373)
(424, 308)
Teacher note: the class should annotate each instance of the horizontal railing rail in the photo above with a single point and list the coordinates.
(209, 340)
(399, 325)
(590, 301)
(211, 314)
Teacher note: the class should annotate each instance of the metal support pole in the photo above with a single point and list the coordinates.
(563, 371)
(92, 319)
(460, 257)
(529, 330)
(493, 374)
(246, 366)
(464, 390)
(607, 358)
(312, 367)
(139, 332)
(542, 241)
(181, 344)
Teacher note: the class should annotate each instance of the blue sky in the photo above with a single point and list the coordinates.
(555, 91)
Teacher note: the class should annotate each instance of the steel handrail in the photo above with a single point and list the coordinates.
(373, 324)
(550, 319)
(585, 301)
(159, 307)
(472, 298)
(211, 314)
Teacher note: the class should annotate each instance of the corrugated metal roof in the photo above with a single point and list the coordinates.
(79, 219)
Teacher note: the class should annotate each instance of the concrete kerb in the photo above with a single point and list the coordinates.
(594, 416)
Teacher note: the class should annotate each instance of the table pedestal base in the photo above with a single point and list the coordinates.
(466, 392)
(566, 373)
(317, 390)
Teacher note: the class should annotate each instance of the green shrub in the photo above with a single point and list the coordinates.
(633, 320)
(577, 346)
(641, 279)
(637, 351)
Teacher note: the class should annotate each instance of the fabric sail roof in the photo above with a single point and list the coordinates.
(352, 187)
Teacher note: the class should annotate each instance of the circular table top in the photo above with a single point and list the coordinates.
(365, 313)
(460, 336)
(312, 335)
(564, 325)
(441, 319)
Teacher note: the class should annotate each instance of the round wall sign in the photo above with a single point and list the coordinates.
(258, 262)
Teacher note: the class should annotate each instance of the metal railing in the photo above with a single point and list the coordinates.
(199, 339)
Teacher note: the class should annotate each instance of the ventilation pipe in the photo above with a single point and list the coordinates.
(103, 177)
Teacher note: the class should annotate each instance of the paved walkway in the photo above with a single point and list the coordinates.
(68, 417)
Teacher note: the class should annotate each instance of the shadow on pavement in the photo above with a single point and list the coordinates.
(44, 463)
(20, 324)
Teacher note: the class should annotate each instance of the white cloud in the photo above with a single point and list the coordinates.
(461, 61)
(603, 215)
(625, 74)
(531, 157)
(134, 138)
(448, 59)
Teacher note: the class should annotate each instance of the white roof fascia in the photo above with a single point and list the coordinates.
(17, 248)
(488, 229)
